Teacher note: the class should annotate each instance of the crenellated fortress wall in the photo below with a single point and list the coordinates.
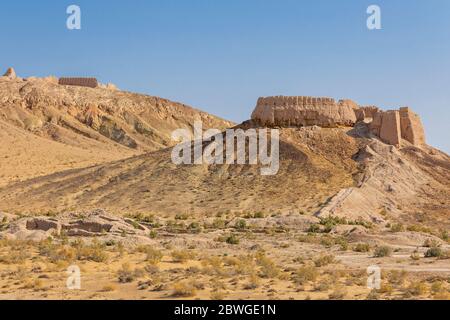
(81, 82)
(295, 100)
(304, 111)
(391, 126)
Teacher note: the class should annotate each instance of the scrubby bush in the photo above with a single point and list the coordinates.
(330, 222)
(125, 274)
(417, 289)
(437, 287)
(232, 239)
(95, 251)
(397, 277)
(314, 228)
(218, 295)
(57, 253)
(434, 252)
(361, 247)
(397, 227)
(218, 223)
(268, 268)
(181, 256)
(183, 289)
(343, 244)
(443, 234)
(386, 288)
(241, 224)
(415, 255)
(324, 260)
(383, 251)
(195, 228)
(338, 293)
(305, 274)
(153, 256)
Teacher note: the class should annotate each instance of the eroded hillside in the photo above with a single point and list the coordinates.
(315, 164)
(47, 127)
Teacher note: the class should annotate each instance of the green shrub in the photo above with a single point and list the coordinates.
(259, 215)
(195, 228)
(241, 224)
(444, 235)
(141, 217)
(330, 222)
(383, 251)
(343, 244)
(398, 227)
(314, 228)
(434, 252)
(232, 239)
(181, 216)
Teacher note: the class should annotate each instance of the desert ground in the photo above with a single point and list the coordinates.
(228, 257)
(87, 181)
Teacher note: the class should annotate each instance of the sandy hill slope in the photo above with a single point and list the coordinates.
(46, 127)
(315, 164)
(409, 185)
(117, 149)
(335, 171)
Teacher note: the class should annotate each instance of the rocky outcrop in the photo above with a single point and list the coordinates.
(10, 73)
(304, 111)
(97, 223)
(81, 116)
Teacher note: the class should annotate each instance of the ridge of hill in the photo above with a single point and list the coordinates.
(55, 127)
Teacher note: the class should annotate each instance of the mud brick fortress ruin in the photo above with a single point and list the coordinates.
(81, 82)
(392, 127)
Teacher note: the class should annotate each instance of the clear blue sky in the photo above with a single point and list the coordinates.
(220, 56)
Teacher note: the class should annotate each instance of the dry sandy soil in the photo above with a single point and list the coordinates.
(227, 257)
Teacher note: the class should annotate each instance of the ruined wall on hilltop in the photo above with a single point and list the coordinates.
(394, 125)
(386, 125)
(81, 82)
(411, 126)
(304, 111)
(391, 126)
(366, 112)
